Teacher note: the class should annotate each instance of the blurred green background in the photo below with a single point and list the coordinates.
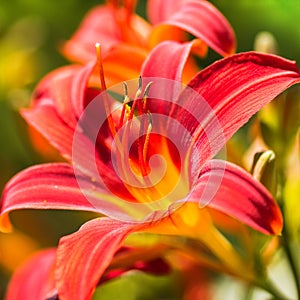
(31, 32)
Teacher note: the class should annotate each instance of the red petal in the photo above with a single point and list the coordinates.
(99, 26)
(143, 259)
(45, 119)
(48, 117)
(57, 104)
(79, 90)
(159, 11)
(197, 17)
(34, 279)
(231, 190)
(238, 86)
(77, 145)
(109, 27)
(123, 62)
(82, 257)
(230, 91)
(48, 186)
(64, 88)
(55, 89)
(167, 60)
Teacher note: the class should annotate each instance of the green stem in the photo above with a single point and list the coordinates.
(249, 293)
(286, 238)
(269, 287)
(291, 260)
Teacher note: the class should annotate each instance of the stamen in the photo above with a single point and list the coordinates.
(146, 143)
(143, 147)
(126, 98)
(139, 89)
(103, 88)
(146, 94)
(100, 66)
(145, 126)
(136, 98)
(147, 89)
(125, 101)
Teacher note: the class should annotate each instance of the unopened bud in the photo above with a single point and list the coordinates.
(263, 170)
(265, 42)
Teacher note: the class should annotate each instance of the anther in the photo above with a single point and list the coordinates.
(147, 89)
(125, 107)
(139, 89)
(126, 98)
(146, 94)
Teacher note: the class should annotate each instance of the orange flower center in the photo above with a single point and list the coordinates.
(146, 160)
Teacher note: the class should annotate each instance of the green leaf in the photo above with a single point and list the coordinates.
(136, 285)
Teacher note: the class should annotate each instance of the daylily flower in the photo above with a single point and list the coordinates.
(234, 89)
(126, 39)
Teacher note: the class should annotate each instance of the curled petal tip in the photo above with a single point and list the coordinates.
(277, 224)
(204, 22)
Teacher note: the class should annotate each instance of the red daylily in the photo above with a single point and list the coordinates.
(126, 39)
(234, 88)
